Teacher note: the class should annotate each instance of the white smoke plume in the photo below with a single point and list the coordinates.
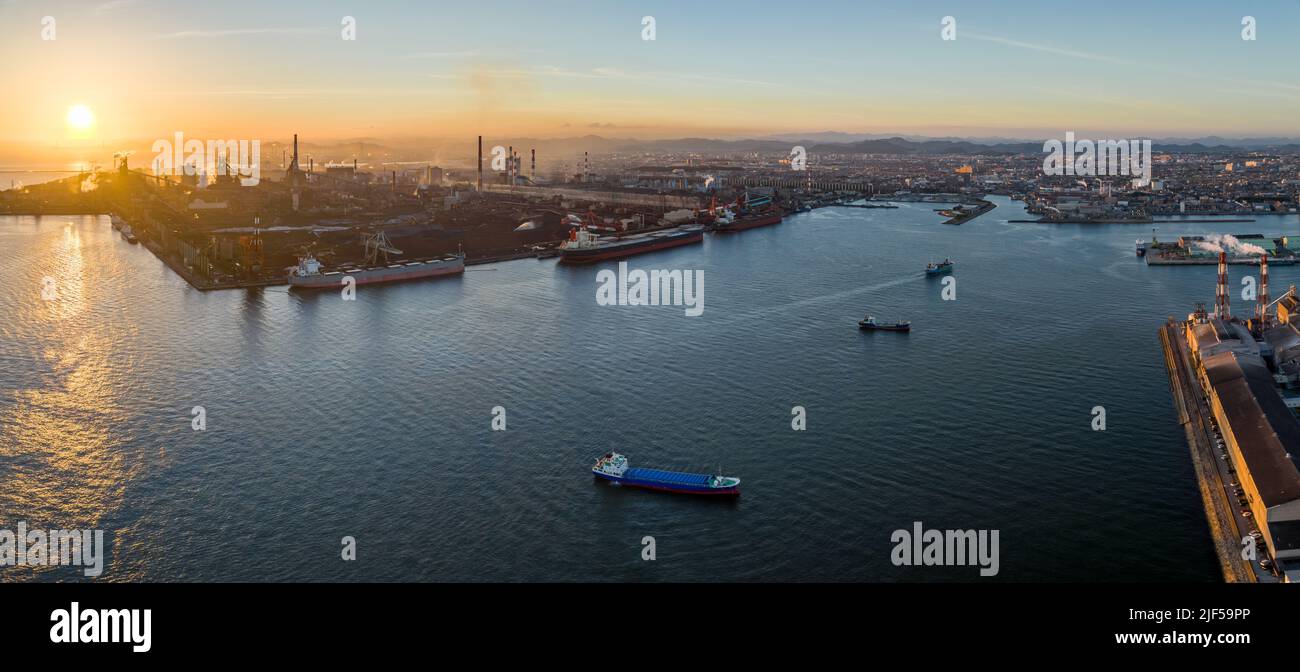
(1209, 247)
(1227, 243)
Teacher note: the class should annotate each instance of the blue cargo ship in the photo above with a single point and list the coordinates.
(613, 467)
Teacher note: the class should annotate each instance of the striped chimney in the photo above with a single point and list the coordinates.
(1263, 290)
(1221, 290)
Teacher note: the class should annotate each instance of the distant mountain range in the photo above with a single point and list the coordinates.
(847, 143)
(394, 152)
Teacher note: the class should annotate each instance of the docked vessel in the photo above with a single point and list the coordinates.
(753, 213)
(729, 221)
(1143, 246)
(869, 323)
(613, 467)
(585, 247)
(940, 268)
(128, 234)
(310, 274)
(118, 222)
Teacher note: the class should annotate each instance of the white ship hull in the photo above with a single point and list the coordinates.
(411, 270)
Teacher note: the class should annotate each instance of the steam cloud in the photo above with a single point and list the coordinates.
(1226, 243)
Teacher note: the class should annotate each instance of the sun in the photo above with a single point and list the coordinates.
(80, 119)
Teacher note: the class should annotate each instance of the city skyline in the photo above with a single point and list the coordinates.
(440, 72)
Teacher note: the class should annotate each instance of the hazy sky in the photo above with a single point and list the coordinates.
(265, 69)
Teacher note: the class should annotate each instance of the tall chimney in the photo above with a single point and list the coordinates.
(1221, 290)
(480, 163)
(295, 151)
(533, 173)
(510, 165)
(1263, 291)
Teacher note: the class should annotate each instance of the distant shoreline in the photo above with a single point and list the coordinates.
(1128, 221)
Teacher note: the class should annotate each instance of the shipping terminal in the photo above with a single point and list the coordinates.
(1235, 383)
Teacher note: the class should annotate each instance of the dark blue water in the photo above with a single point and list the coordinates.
(372, 418)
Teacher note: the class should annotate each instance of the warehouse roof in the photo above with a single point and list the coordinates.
(1266, 431)
(1214, 336)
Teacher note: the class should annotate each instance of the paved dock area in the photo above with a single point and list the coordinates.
(1227, 525)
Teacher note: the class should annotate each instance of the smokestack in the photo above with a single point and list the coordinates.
(311, 165)
(354, 166)
(480, 163)
(533, 173)
(295, 151)
(1221, 291)
(1263, 291)
(510, 166)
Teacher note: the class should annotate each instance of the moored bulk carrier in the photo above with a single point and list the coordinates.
(310, 274)
(585, 247)
(752, 213)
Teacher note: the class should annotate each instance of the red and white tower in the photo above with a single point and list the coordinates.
(1221, 310)
(1263, 291)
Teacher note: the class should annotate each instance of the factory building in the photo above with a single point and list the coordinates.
(1244, 367)
(1263, 438)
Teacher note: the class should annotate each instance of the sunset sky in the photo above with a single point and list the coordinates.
(147, 68)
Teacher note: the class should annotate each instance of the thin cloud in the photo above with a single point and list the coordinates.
(614, 73)
(114, 5)
(443, 54)
(301, 93)
(232, 32)
(1069, 53)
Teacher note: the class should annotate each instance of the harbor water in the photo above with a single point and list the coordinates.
(373, 418)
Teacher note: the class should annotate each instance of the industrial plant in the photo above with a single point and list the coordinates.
(1236, 385)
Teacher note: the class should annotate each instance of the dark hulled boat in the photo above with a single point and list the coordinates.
(869, 323)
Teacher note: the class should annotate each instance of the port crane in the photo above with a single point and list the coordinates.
(379, 244)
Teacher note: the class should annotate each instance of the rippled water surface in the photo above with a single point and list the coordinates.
(371, 418)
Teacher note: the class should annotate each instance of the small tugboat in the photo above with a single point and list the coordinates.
(1143, 246)
(940, 268)
(128, 234)
(613, 467)
(869, 323)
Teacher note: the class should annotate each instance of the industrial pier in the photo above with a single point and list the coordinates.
(216, 232)
(960, 215)
(1234, 384)
(1203, 251)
